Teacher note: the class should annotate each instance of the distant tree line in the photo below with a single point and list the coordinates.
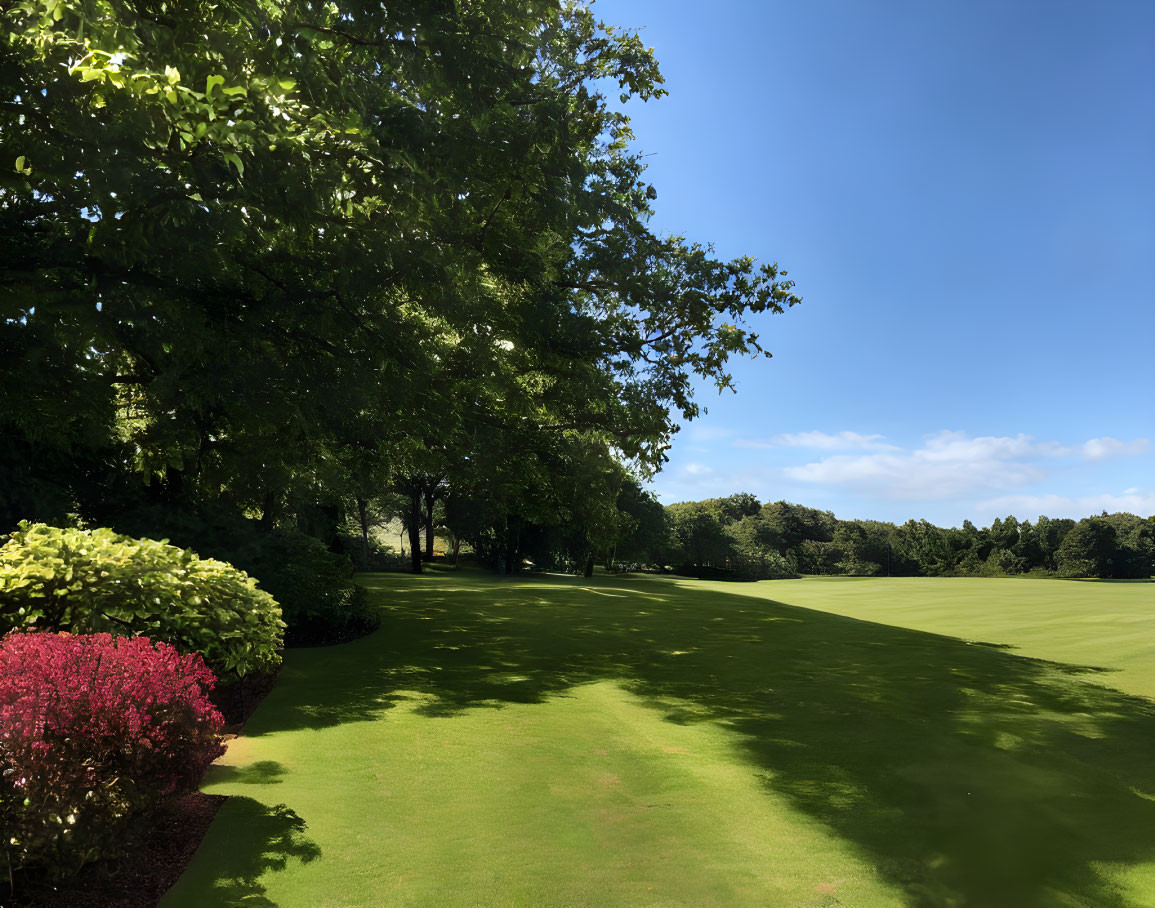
(606, 517)
(738, 536)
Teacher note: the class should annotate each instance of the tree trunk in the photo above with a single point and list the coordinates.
(456, 550)
(415, 531)
(174, 485)
(268, 510)
(430, 498)
(589, 571)
(362, 513)
(329, 517)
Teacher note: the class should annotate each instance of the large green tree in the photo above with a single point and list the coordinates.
(259, 252)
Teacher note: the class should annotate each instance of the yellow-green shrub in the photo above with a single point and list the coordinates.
(98, 581)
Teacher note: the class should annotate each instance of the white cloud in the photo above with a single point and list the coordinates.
(822, 441)
(915, 476)
(954, 447)
(951, 464)
(697, 469)
(949, 446)
(1102, 448)
(1031, 506)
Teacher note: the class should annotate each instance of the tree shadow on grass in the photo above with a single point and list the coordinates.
(263, 772)
(967, 775)
(260, 839)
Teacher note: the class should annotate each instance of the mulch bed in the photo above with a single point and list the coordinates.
(139, 879)
(239, 700)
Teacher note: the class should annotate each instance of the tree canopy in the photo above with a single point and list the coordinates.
(265, 252)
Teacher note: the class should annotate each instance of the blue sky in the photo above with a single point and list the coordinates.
(965, 195)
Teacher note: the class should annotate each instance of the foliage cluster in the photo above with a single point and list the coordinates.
(94, 729)
(313, 585)
(727, 537)
(319, 600)
(282, 260)
(98, 581)
(310, 580)
(596, 512)
(741, 536)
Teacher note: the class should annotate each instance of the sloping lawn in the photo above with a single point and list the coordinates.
(640, 741)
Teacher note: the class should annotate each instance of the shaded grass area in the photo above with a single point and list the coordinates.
(939, 772)
(259, 839)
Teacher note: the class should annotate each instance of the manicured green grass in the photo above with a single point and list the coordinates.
(649, 741)
(1107, 624)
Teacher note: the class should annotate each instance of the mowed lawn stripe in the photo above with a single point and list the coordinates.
(635, 741)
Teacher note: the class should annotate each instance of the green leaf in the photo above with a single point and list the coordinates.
(211, 82)
(237, 163)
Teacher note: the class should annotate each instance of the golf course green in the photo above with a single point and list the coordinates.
(661, 741)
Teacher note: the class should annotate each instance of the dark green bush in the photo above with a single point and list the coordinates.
(313, 585)
(98, 581)
(320, 602)
(339, 619)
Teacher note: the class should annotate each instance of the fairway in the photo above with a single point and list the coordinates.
(554, 741)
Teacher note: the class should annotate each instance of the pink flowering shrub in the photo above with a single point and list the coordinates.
(94, 729)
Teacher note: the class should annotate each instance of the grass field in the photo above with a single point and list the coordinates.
(552, 741)
(1110, 625)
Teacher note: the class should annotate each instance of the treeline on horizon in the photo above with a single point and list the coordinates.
(741, 538)
(738, 537)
